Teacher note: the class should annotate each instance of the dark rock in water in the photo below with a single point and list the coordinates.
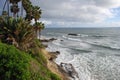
(70, 70)
(52, 39)
(55, 53)
(44, 40)
(58, 52)
(48, 40)
(73, 34)
(61, 40)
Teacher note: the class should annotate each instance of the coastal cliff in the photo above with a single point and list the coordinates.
(65, 71)
(53, 66)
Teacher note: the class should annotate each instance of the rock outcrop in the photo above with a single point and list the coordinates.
(55, 68)
(70, 70)
(73, 34)
(48, 40)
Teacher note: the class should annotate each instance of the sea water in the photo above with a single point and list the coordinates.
(94, 52)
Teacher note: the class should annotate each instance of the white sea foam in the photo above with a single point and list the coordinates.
(69, 38)
(90, 66)
(83, 35)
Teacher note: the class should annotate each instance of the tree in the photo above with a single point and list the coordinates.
(38, 26)
(27, 5)
(14, 1)
(36, 13)
(18, 32)
(31, 11)
(14, 9)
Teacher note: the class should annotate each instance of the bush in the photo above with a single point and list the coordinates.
(14, 64)
(18, 65)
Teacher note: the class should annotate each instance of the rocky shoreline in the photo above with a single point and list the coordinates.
(65, 70)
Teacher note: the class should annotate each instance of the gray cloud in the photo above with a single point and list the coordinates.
(76, 11)
(72, 12)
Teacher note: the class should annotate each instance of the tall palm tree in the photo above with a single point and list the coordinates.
(27, 5)
(36, 12)
(38, 26)
(14, 1)
(14, 9)
(4, 12)
(31, 11)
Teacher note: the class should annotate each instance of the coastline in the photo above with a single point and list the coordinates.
(55, 68)
(65, 70)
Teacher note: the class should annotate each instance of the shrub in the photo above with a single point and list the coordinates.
(18, 65)
(14, 64)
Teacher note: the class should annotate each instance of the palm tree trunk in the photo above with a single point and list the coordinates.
(8, 6)
(37, 34)
(4, 5)
(21, 9)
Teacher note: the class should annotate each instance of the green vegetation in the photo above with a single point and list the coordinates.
(14, 64)
(20, 55)
(31, 11)
(18, 32)
(18, 65)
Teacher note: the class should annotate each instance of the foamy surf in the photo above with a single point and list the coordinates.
(94, 56)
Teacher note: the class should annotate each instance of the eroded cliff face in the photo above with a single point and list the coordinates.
(66, 71)
(53, 66)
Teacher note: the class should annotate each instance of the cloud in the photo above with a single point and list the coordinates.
(107, 3)
(46, 22)
(77, 12)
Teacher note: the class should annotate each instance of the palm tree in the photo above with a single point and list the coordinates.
(14, 9)
(38, 26)
(36, 12)
(19, 32)
(14, 1)
(4, 12)
(31, 11)
(27, 5)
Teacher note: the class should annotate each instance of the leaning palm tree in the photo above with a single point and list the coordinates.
(27, 5)
(36, 12)
(31, 11)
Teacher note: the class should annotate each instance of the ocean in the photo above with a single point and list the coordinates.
(94, 52)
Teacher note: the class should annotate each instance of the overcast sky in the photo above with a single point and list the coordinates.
(80, 13)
